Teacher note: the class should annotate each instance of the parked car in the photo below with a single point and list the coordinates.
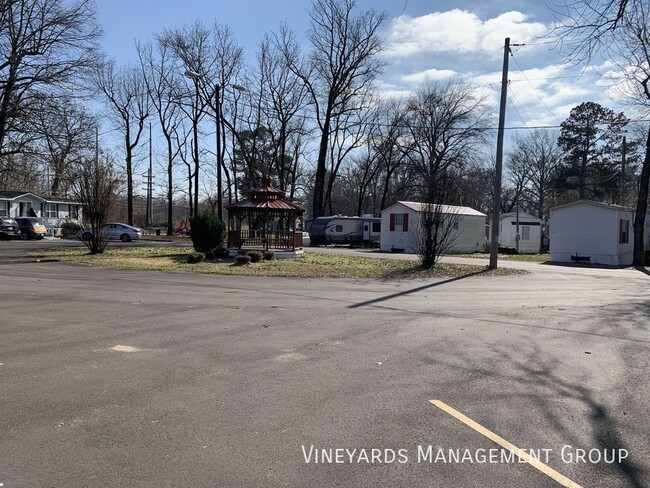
(113, 231)
(31, 227)
(9, 229)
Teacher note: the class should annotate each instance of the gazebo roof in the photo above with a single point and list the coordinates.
(267, 198)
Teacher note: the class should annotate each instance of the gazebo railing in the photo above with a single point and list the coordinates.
(281, 239)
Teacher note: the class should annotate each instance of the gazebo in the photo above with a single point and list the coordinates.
(265, 221)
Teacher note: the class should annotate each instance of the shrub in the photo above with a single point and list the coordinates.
(195, 257)
(242, 259)
(269, 255)
(255, 256)
(69, 229)
(221, 252)
(208, 232)
(210, 256)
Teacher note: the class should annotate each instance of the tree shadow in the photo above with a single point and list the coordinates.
(541, 372)
(416, 290)
(643, 269)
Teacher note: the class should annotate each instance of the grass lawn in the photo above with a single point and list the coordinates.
(529, 258)
(310, 266)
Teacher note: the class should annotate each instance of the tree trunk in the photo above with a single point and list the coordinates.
(583, 175)
(318, 206)
(642, 208)
(170, 187)
(129, 182)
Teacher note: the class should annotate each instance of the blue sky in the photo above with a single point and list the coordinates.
(427, 40)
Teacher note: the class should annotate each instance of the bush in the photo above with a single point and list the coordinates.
(221, 252)
(69, 229)
(208, 232)
(242, 259)
(255, 256)
(195, 257)
(269, 255)
(210, 256)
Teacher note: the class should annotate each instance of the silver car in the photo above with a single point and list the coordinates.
(114, 231)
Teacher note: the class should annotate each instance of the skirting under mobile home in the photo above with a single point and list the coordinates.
(400, 228)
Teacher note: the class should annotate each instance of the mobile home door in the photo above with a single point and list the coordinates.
(366, 230)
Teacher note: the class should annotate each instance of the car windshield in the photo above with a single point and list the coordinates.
(9, 221)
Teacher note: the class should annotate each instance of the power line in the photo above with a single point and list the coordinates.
(534, 89)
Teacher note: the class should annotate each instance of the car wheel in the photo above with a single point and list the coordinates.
(125, 237)
(24, 236)
(86, 236)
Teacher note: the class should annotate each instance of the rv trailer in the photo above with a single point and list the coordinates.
(355, 231)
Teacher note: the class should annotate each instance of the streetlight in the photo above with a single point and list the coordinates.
(217, 109)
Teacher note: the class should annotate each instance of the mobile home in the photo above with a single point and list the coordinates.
(400, 227)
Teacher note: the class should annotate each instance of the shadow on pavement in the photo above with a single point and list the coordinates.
(549, 387)
(415, 290)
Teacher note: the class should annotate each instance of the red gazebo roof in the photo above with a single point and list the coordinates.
(268, 198)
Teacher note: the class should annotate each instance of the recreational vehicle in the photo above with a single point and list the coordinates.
(359, 231)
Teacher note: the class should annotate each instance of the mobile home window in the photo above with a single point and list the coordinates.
(51, 210)
(376, 227)
(525, 232)
(74, 212)
(623, 231)
(4, 209)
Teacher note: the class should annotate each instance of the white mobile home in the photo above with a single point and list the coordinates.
(400, 228)
(53, 210)
(593, 232)
(530, 232)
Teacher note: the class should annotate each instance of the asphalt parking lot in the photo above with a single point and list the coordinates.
(121, 378)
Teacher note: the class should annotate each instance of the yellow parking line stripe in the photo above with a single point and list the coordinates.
(548, 471)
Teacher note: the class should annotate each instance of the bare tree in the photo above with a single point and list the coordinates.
(436, 232)
(65, 136)
(44, 44)
(617, 29)
(164, 89)
(446, 124)
(338, 72)
(96, 188)
(126, 94)
(213, 59)
(538, 154)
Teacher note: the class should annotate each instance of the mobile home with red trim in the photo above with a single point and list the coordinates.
(400, 228)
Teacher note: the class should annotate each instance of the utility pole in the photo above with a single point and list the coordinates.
(496, 207)
(149, 183)
(623, 161)
(217, 107)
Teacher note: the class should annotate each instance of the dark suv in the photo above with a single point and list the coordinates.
(31, 228)
(9, 228)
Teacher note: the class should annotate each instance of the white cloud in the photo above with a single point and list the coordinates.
(429, 75)
(458, 31)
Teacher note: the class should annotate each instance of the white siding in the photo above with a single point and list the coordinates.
(398, 239)
(508, 233)
(590, 230)
(470, 236)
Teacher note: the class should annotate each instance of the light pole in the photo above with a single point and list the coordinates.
(195, 122)
(217, 115)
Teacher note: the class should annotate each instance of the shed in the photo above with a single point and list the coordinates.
(400, 227)
(530, 232)
(593, 232)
